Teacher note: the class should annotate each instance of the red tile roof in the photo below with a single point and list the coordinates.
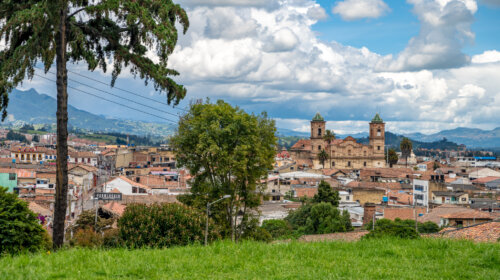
(485, 232)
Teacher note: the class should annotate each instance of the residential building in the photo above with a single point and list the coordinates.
(450, 197)
(466, 218)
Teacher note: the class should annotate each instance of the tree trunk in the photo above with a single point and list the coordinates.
(62, 135)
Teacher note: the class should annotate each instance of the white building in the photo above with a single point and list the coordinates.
(421, 192)
(126, 186)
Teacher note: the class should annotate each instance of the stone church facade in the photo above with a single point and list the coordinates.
(343, 153)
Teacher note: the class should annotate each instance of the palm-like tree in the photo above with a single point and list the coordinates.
(406, 147)
(322, 157)
(329, 137)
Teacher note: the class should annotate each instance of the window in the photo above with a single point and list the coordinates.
(273, 191)
(364, 153)
(419, 196)
(319, 131)
(333, 163)
(348, 163)
(51, 186)
(464, 199)
(419, 188)
(348, 152)
(364, 164)
(319, 147)
(12, 176)
(379, 132)
(347, 198)
(378, 148)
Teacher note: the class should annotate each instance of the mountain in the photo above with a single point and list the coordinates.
(289, 132)
(35, 108)
(471, 137)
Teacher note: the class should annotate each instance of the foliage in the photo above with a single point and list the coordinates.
(406, 147)
(323, 157)
(397, 228)
(392, 157)
(11, 135)
(162, 225)
(228, 151)
(20, 230)
(425, 258)
(86, 237)
(326, 194)
(318, 219)
(86, 220)
(277, 228)
(428, 227)
(252, 231)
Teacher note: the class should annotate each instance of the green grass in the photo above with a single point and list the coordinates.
(367, 259)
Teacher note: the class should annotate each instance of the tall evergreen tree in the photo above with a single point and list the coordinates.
(91, 31)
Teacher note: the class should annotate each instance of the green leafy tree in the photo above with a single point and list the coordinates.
(90, 31)
(325, 218)
(323, 157)
(392, 157)
(326, 194)
(329, 137)
(228, 151)
(397, 228)
(406, 147)
(20, 230)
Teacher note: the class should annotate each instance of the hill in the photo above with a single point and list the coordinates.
(35, 108)
(392, 141)
(472, 137)
(366, 259)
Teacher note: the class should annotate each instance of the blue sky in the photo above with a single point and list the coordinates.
(425, 65)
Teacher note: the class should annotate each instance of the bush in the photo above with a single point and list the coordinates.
(428, 227)
(162, 225)
(397, 228)
(86, 238)
(326, 194)
(277, 228)
(20, 230)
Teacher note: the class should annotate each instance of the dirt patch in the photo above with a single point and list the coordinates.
(344, 236)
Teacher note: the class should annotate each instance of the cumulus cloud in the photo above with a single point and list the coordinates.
(317, 13)
(487, 57)
(359, 9)
(445, 29)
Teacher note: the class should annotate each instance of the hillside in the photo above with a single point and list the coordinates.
(366, 259)
(34, 108)
(472, 137)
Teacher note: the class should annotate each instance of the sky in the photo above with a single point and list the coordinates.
(424, 65)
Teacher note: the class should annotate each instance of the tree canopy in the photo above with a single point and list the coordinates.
(228, 152)
(326, 194)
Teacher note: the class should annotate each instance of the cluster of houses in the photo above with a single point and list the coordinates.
(138, 174)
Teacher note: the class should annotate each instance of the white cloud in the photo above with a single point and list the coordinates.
(359, 9)
(282, 40)
(317, 13)
(487, 57)
(445, 29)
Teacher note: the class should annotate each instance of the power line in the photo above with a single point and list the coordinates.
(100, 97)
(124, 90)
(116, 95)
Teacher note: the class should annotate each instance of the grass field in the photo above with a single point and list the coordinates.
(367, 259)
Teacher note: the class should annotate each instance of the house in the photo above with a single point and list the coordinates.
(466, 218)
(444, 197)
(32, 155)
(345, 197)
(83, 175)
(403, 213)
(8, 178)
(484, 172)
(365, 192)
(88, 158)
(126, 186)
(435, 214)
(485, 204)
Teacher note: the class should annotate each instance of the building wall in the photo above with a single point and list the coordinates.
(368, 195)
(5, 181)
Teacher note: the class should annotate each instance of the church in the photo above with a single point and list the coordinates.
(343, 153)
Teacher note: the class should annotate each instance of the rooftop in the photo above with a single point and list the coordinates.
(377, 119)
(318, 118)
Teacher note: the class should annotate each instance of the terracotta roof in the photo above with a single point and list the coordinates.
(450, 194)
(435, 214)
(302, 144)
(485, 180)
(154, 181)
(386, 172)
(469, 215)
(485, 232)
(6, 159)
(8, 170)
(115, 208)
(401, 197)
(88, 168)
(139, 185)
(372, 185)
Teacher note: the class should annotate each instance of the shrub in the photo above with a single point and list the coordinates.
(397, 228)
(277, 228)
(20, 229)
(162, 225)
(252, 231)
(428, 227)
(86, 238)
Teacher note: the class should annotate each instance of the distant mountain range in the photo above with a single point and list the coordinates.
(471, 137)
(34, 108)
